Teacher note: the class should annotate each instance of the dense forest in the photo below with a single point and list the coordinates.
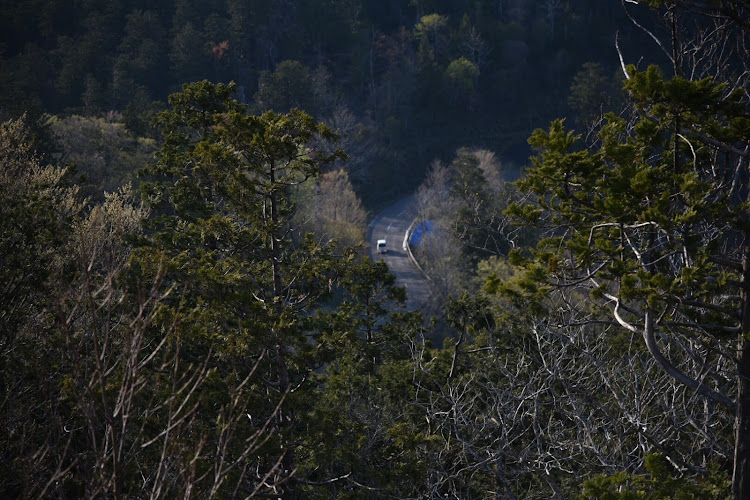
(406, 81)
(186, 303)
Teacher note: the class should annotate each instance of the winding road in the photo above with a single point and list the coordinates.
(391, 224)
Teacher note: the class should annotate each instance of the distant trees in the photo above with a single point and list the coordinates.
(464, 203)
(287, 86)
(468, 198)
(188, 57)
(412, 71)
(100, 149)
(462, 75)
(142, 61)
(592, 93)
(430, 32)
(439, 250)
(331, 209)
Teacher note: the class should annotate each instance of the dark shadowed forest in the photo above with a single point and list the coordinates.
(406, 81)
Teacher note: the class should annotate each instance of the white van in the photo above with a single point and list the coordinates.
(382, 247)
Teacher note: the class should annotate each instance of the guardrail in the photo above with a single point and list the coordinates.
(407, 249)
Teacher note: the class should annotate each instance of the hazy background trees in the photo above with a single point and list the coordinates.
(424, 77)
(101, 149)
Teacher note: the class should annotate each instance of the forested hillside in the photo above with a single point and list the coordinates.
(186, 305)
(406, 81)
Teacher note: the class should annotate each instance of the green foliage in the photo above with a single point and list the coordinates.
(462, 74)
(429, 32)
(102, 150)
(662, 482)
(601, 198)
(363, 430)
(142, 57)
(331, 209)
(592, 93)
(223, 186)
(287, 87)
(37, 207)
(200, 354)
(400, 67)
(642, 231)
(481, 195)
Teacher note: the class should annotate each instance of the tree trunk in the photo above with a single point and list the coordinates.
(741, 471)
(282, 371)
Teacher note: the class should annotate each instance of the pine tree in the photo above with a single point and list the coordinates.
(651, 222)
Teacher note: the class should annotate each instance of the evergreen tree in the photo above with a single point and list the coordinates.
(224, 179)
(651, 222)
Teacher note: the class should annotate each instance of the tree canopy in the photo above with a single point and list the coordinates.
(188, 306)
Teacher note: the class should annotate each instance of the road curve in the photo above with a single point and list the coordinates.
(391, 224)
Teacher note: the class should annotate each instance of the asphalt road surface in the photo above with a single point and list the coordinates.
(391, 224)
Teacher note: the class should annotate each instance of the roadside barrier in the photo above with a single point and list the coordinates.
(407, 249)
